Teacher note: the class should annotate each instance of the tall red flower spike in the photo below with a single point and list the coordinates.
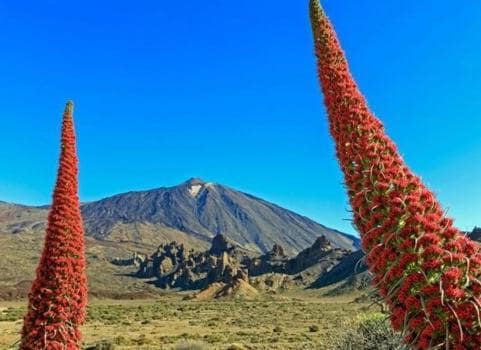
(425, 269)
(58, 296)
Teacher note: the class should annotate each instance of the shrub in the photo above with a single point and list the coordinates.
(120, 340)
(370, 333)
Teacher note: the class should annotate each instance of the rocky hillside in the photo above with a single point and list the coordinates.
(15, 219)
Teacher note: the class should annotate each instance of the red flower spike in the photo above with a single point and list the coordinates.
(435, 267)
(58, 296)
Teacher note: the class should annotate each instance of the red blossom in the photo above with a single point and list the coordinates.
(433, 279)
(58, 295)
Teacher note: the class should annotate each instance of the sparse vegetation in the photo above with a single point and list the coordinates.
(236, 347)
(301, 320)
(371, 332)
(277, 329)
(104, 345)
(191, 345)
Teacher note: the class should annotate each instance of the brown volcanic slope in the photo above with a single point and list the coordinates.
(16, 219)
(203, 210)
(19, 219)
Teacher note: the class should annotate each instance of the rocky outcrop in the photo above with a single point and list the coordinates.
(275, 282)
(277, 252)
(350, 265)
(274, 261)
(220, 244)
(476, 234)
(321, 252)
(224, 265)
(163, 261)
(172, 266)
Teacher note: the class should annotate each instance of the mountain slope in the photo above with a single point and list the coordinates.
(203, 210)
(16, 218)
(191, 213)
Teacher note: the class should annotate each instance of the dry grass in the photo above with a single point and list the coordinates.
(301, 321)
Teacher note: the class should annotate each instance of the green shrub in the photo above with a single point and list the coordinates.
(120, 340)
(371, 332)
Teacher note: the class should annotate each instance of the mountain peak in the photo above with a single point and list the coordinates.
(195, 185)
(195, 181)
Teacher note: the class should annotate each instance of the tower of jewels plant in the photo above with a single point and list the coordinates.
(58, 297)
(425, 269)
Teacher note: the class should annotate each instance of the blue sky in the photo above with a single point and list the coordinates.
(227, 91)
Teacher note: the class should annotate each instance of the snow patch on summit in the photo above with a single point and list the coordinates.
(194, 190)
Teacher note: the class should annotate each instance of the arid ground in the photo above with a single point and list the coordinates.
(303, 320)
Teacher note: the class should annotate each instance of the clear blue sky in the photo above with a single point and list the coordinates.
(227, 91)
